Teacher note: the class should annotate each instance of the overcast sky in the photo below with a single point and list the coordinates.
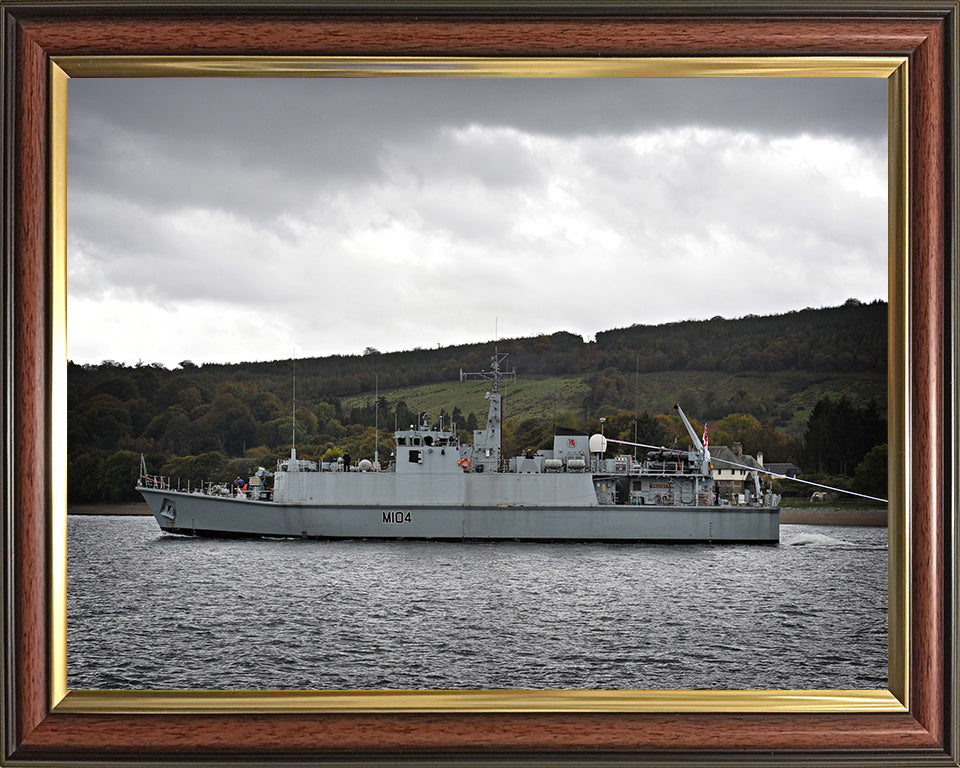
(233, 220)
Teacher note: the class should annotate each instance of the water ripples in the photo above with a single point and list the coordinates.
(152, 611)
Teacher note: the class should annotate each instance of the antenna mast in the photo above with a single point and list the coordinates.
(487, 445)
(494, 374)
(293, 447)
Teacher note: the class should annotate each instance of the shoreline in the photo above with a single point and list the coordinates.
(139, 508)
(875, 518)
(869, 517)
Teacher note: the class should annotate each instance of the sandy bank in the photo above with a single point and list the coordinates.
(833, 516)
(132, 508)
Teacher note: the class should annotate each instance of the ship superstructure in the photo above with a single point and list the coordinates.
(436, 488)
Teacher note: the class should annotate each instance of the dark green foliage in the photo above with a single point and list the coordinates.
(871, 476)
(755, 436)
(609, 390)
(120, 472)
(207, 467)
(116, 386)
(633, 427)
(839, 434)
(848, 338)
(226, 425)
(526, 437)
(101, 421)
(84, 479)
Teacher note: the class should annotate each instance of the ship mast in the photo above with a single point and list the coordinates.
(494, 374)
(293, 445)
(487, 445)
(294, 465)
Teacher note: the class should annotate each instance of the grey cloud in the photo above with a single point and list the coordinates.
(250, 194)
(326, 114)
(265, 148)
(316, 131)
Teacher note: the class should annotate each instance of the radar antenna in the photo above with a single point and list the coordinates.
(494, 374)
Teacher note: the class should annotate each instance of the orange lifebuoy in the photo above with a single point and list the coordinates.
(464, 462)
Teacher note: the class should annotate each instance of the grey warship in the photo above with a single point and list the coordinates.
(436, 488)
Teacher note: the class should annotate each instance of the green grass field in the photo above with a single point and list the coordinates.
(788, 396)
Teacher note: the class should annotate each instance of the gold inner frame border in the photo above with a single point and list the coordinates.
(894, 699)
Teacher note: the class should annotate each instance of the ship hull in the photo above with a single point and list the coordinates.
(200, 514)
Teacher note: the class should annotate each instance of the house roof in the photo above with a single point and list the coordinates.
(724, 458)
(785, 468)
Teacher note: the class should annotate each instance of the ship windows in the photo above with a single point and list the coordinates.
(414, 457)
(401, 441)
(415, 441)
(428, 440)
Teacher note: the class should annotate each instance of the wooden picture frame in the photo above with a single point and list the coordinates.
(40, 727)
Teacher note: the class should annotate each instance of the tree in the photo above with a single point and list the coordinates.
(608, 391)
(227, 425)
(325, 413)
(263, 406)
(178, 390)
(737, 428)
(84, 477)
(121, 387)
(404, 417)
(839, 434)
(871, 473)
(119, 476)
(105, 420)
(818, 437)
(204, 468)
(529, 435)
(280, 431)
(172, 430)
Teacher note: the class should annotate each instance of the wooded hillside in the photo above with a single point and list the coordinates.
(199, 421)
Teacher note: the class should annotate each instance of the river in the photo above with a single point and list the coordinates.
(148, 610)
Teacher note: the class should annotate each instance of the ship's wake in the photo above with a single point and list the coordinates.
(822, 541)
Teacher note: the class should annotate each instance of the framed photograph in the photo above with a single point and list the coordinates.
(916, 718)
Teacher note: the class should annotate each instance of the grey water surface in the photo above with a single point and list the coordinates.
(147, 610)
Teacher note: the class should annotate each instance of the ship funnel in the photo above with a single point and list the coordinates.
(598, 444)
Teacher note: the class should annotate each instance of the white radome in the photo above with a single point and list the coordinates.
(598, 444)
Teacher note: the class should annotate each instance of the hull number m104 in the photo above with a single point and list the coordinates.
(397, 517)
